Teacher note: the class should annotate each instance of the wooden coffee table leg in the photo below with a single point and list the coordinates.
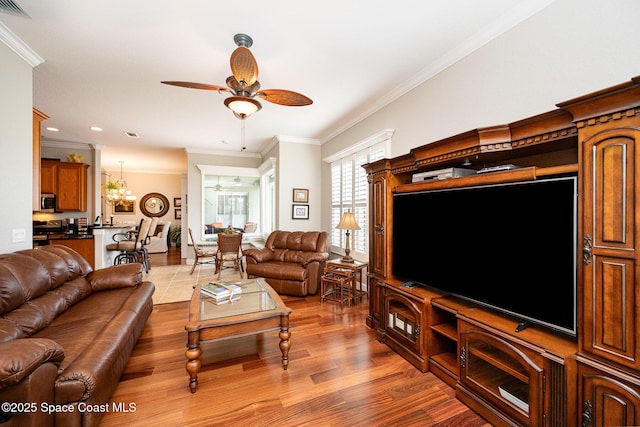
(285, 344)
(193, 359)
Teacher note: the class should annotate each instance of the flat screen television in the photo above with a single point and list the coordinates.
(511, 247)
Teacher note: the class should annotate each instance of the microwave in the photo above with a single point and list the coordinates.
(47, 203)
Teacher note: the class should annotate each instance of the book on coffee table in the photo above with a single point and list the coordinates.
(221, 291)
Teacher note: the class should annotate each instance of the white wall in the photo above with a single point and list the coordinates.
(299, 168)
(140, 184)
(571, 48)
(16, 170)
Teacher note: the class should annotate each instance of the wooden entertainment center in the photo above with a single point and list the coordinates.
(535, 377)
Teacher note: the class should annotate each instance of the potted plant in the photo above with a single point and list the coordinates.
(175, 235)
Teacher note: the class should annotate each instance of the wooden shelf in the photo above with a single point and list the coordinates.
(447, 330)
(443, 341)
(513, 175)
(500, 361)
(447, 360)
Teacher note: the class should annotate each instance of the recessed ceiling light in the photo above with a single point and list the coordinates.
(96, 128)
(132, 135)
(52, 129)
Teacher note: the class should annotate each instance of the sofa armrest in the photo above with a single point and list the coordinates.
(258, 255)
(23, 356)
(115, 276)
(308, 257)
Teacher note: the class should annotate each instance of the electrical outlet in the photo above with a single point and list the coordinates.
(18, 235)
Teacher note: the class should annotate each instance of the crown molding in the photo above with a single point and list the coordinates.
(14, 43)
(381, 136)
(288, 138)
(298, 140)
(56, 143)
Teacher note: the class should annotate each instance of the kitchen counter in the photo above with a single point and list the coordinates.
(71, 237)
(102, 236)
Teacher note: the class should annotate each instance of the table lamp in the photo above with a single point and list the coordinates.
(348, 222)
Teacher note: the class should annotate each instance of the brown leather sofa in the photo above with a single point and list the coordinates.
(292, 262)
(66, 334)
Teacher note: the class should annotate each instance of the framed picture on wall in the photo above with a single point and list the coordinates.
(178, 213)
(126, 209)
(177, 202)
(300, 212)
(300, 195)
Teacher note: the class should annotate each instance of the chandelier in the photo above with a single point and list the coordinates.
(117, 193)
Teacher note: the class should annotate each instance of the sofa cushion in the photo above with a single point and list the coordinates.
(9, 331)
(117, 276)
(29, 354)
(38, 313)
(21, 279)
(62, 262)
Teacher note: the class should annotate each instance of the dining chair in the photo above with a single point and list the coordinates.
(204, 254)
(229, 252)
(250, 227)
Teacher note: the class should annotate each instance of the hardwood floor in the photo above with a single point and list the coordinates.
(171, 257)
(338, 375)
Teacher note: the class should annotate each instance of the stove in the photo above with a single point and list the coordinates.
(43, 229)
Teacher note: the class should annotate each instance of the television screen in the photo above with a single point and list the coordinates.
(509, 246)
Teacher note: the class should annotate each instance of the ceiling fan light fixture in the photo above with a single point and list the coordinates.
(242, 106)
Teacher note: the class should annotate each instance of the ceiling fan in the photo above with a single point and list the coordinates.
(243, 84)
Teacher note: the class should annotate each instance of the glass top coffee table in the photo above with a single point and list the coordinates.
(257, 309)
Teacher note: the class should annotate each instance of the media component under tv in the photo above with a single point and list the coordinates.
(511, 247)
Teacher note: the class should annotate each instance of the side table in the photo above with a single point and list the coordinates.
(356, 269)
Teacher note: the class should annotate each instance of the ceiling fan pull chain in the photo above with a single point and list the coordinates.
(244, 146)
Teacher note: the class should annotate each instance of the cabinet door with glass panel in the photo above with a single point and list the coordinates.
(504, 374)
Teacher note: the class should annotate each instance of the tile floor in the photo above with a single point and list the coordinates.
(174, 283)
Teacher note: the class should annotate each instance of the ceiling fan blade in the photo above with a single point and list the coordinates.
(244, 66)
(197, 86)
(284, 97)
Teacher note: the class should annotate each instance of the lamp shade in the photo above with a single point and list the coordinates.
(242, 106)
(348, 222)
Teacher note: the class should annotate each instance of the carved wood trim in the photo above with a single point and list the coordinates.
(545, 137)
(618, 115)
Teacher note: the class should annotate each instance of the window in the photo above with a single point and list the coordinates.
(232, 208)
(350, 192)
(229, 200)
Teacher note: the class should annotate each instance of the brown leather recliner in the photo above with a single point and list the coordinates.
(291, 262)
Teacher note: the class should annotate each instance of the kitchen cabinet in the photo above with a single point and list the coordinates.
(48, 177)
(68, 181)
